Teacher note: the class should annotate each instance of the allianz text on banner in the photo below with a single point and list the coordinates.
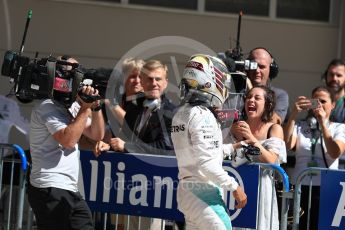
(145, 185)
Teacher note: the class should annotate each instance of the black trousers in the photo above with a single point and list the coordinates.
(314, 210)
(56, 208)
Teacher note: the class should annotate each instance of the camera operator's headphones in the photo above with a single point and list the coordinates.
(274, 69)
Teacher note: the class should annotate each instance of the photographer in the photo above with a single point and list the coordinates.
(54, 134)
(317, 142)
(259, 130)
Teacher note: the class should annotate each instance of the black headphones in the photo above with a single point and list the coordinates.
(274, 69)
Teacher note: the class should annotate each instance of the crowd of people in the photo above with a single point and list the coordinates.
(148, 119)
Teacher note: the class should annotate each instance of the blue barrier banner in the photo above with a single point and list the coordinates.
(145, 185)
(332, 200)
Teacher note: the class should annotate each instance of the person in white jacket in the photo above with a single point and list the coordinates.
(198, 144)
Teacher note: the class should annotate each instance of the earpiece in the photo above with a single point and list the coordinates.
(274, 68)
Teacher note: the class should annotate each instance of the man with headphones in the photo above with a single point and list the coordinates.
(266, 71)
(147, 123)
(55, 130)
(334, 77)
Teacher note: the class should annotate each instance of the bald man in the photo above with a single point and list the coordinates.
(261, 76)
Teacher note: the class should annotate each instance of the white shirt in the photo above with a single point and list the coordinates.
(52, 164)
(303, 151)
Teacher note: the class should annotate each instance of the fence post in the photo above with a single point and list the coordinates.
(21, 190)
(297, 194)
(286, 187)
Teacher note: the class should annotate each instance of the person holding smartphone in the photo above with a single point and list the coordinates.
(316, 144)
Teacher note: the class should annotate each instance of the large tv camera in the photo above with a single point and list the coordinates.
(56, 78)
(236, 64)
(52, 77)
(238, 67)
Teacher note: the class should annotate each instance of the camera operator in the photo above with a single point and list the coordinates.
(259, 130)
(266, 71)
(54, 134)
(317, 142)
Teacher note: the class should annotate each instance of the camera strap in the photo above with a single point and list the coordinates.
(314, 139)
(323, 152)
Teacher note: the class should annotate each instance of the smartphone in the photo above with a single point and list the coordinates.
(314, 103)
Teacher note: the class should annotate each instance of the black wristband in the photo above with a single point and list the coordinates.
(98, 108)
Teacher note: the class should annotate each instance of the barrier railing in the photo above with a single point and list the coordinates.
(286, 194)
(7, 188)
(332, 198)
(109, 185)
(101, 189)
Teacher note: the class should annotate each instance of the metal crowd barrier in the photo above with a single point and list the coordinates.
(11, 184)
(105, 223)
(120, 218)
(286, 194)
(111, 221)
(332, 197)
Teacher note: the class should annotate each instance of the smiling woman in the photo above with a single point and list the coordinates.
(258, 130)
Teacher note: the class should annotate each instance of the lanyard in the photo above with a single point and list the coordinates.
(314, 138)
(313, 144)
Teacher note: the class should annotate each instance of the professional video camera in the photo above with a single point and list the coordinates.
(235, 62)
(237, 66)
(51, 77)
